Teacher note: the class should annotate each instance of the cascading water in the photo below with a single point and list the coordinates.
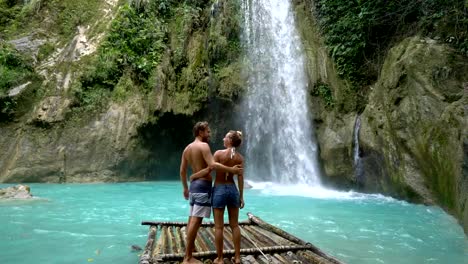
(280, 145)
(357, 126)
(358, 169)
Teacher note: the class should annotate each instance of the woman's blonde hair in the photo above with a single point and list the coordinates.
(236, 138)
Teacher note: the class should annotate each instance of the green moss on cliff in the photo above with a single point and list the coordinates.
(15, 70)
(171, 48)
(435, 155)
(358, 33)
(56, 17)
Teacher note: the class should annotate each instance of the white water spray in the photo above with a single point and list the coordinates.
(280, 144)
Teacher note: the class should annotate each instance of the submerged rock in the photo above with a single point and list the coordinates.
(136, 248)
(16, 192)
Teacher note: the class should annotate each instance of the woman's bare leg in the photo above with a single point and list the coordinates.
(219, 235)
(236, 237)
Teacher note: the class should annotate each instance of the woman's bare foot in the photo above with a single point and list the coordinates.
(236, 260)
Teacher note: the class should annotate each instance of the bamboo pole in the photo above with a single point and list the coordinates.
(146, 256)
(204, 233)
(290, 237)
(228, 242)
(161, 245)
(280, 258)
(273, 237)
(262, 238)
(201, 241)
(243, 251)
(178, 239)
(173, 235)
(250, 259)
(204, 224)
(275, 229)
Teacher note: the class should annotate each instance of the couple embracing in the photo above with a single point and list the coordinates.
(203, 196)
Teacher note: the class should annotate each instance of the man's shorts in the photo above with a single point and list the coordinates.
(200, 198)
(225, 195)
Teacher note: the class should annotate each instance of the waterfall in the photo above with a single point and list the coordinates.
(280, 142)
(358, 170)
(357, 126)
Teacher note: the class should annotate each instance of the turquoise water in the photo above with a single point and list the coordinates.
(97, 223)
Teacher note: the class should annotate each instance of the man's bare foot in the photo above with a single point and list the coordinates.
(218, 261)
(192, 261)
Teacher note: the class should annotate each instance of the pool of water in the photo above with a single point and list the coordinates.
(98, 223)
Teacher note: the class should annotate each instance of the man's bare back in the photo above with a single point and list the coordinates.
(193, 153)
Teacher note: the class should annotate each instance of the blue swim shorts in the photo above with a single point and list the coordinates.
(200, 198)
(225, 195)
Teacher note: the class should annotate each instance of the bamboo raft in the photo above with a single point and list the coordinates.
(261, 243)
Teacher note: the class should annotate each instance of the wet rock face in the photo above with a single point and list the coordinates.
(414, 120)
(52, 109)
(16, 192)
(76, 152)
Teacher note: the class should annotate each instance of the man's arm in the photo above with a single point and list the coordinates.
(216, 165)
(200, 174)
(183, 174)
(240, 183)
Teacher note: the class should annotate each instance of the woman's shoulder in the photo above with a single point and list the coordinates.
(239, 157)
(219, 152)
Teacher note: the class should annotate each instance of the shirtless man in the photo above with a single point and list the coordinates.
(198, 155)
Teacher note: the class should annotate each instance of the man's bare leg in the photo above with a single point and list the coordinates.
(192, 230)
(219, 235)
(236, 237)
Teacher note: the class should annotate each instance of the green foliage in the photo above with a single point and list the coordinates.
(165, 44)
(135, 43)
(68, 14)
(231, 81)
(62, 16)
(45, 50)
(90, 99)
(8, 13)
(324, 91)
(15, 69)
(358, 32)
(123, 88)
(224, 43)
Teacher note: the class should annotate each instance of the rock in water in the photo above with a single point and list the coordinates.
(16, 192)
(135, 248)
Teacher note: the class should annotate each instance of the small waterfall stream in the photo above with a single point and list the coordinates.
(358, 170)
(280, 145)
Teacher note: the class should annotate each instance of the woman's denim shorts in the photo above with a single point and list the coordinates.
(225, 195)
